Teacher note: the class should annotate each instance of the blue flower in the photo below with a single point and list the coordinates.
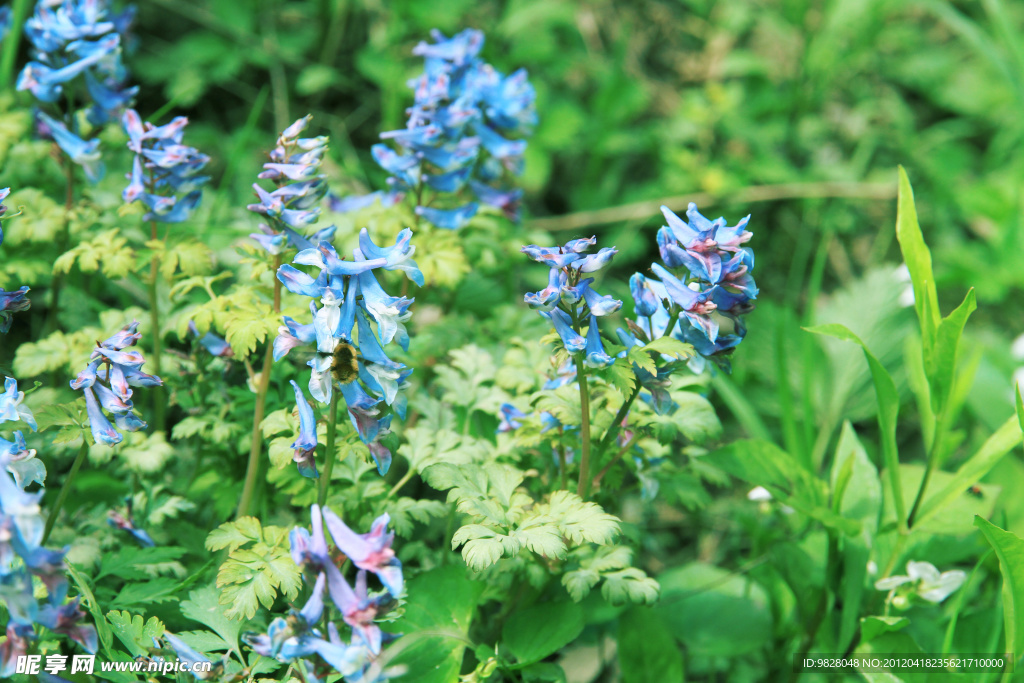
(119, 370)
(560, 302)
(4, 193)
(296, 638)
(294, 166)
(11, 408)
(78, 39)
(165, 173)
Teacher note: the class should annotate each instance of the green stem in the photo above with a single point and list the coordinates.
(615, 426)
(159, 395)
(561, 457)
(252, 470)
(65, 489)
(401, 482)
(332, 455)
(11, 41)
(62, 245)
(933, 458)
(583, 487)
(618, 456)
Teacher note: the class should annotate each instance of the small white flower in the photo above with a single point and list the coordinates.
(907, 294)
(929, 584)
(759, 493)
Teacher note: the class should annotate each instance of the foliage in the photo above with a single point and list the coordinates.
(616, 489)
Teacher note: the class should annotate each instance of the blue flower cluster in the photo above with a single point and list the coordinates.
(106, 384)
(22, 555)
(163, 168)
(297, 638)
(10, 302)
(294, 167)
(464, 130)
(717, 289)
(570, 300)
(349, 353)
(719, 281)
(72, 39)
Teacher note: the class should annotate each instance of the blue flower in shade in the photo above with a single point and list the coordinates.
(510, 418)
(464, 135)
(186, 653)
(119, 521)
(294, 167)
(349, 351)
(106, 384)
(166, 174)
(217, 346)
(568, 301)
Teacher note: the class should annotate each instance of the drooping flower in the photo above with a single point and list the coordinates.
(371, 551)
(165, 173)
(126, 523)
(217, 346)
(11, 303)
(465, 135)
(106, 384)
(305, 445)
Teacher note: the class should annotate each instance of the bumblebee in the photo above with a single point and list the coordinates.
(976, 491)
(344, 363)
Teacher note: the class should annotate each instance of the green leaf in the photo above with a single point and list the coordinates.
(942, 365)
(977, 466)
(629, 585)
(734, 612)
(232, 535)
(536, 632)
(482, 547)
(955, 518)
(436, 623)
(136, 634)
(670, 346)
(146, 593)
(888, 404)
(580, 582)
(872, 627)
(203, 605)
(918, 259)
(647, 653)
(1019, 405)
(862, 496)
(1009, 549)
(642, 358)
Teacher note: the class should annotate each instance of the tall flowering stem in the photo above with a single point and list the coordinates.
(294, 168)
(570, 302)
(166, 178)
